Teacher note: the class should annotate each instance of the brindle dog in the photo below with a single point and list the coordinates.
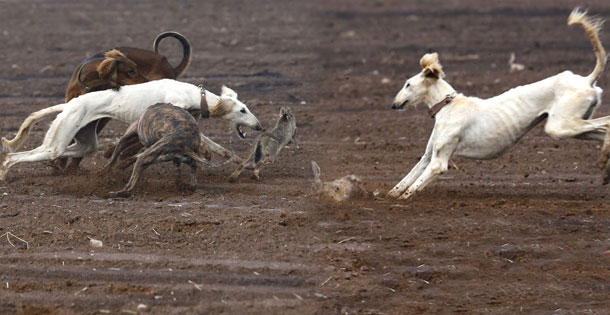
(168, 133)
(269, 144)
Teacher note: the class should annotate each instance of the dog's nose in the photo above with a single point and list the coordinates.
(258, 127)
(394, 106)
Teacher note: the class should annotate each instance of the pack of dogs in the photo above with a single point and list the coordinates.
(139, 88)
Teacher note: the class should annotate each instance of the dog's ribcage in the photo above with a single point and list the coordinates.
(494, 125)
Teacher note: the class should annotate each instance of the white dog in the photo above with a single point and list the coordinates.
(76, 117)
(485, 128)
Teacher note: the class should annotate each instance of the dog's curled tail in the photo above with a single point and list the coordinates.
(24, 129)
(317, 182)
(592, 27)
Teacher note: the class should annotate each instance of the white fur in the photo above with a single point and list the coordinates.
(126, 105)
(485, 128)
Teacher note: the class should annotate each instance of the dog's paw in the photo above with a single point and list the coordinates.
(394, 193)
(405, 196)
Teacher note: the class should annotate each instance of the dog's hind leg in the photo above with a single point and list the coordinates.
(439, 163)
(85, 144)
(565, 119)
(53, 146)
(126, 139)
(14, 144)
(143, 160)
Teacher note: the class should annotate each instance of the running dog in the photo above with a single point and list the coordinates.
(125, 66)
(168, 133)
(485, 128)
(127, 105)
(269, 144)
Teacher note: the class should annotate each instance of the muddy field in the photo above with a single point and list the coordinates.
(527, 232)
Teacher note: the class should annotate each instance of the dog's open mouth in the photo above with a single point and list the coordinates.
(240, 133)
(403, 104)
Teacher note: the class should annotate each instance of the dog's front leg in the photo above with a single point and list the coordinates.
(415, 172)
(408, 180)
(439, 164)
(218, 149)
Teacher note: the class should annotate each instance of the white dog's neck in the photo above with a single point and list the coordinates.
(212, 99)
(437, 92)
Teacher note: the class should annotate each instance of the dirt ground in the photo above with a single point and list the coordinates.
(527, 232)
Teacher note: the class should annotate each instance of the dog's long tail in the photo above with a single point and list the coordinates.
(317, 182)
(24, 130)
(592, 27)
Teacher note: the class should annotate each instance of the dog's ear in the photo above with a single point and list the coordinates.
(108, 69)
(225, 91)
(432, 68)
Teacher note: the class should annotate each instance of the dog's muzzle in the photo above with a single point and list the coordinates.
(399, 106)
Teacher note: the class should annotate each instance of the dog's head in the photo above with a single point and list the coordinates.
(416, 89)
(118, 69)
(231, 109)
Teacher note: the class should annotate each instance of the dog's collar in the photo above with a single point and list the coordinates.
(438, 106)
(205, 111)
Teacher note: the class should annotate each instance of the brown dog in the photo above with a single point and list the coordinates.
(123, 66)
(168, 133)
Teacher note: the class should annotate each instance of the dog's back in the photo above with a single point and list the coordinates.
(166, 120)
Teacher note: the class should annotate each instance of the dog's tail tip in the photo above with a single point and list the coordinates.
(578, 16)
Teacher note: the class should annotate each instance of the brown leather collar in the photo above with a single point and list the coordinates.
(205, 111)
(438, 106)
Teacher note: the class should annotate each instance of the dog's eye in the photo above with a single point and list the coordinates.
(408, 85)
(132, 73)
(243, 111)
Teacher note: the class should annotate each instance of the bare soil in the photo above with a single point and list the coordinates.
(527, 232)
